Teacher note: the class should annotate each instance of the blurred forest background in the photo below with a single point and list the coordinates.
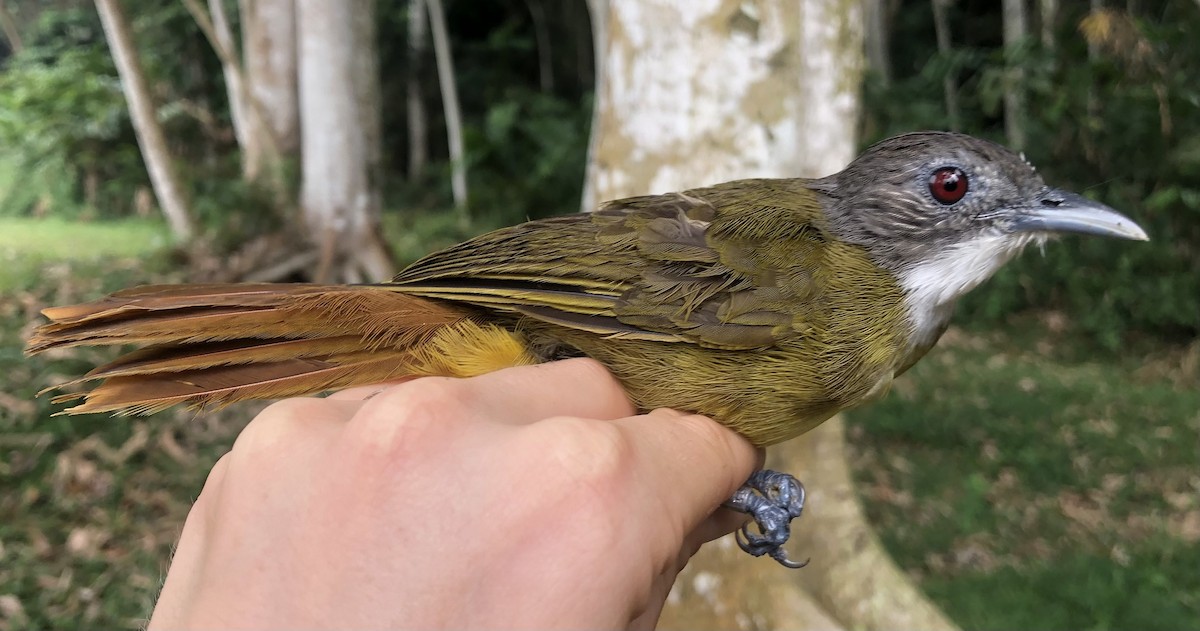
(1039, 470)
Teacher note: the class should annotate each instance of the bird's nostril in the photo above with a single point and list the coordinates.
(1051, 202)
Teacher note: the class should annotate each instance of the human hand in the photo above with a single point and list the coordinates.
(531, 497)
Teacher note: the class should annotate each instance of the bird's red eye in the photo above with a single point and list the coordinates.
(948, 185)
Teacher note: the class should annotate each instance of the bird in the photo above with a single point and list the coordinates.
(769, 305)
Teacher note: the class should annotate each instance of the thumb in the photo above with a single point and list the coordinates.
(691, 464)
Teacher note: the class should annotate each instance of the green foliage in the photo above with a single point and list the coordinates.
(1122, 127)
(528, 156)
(63, 115)
(1040, 488)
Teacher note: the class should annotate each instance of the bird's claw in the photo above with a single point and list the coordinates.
(773, 500)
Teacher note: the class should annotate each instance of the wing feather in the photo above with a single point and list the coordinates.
(731, 266)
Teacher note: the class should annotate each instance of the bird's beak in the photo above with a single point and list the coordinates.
(1061, 211)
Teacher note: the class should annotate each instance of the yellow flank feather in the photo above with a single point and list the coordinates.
(468, 349)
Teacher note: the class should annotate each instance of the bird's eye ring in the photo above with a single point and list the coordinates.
(948, 185)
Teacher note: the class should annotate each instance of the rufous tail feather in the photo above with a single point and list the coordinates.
(219, 344)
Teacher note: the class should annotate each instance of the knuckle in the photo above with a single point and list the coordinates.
(710, 435)
(405, 416)
(423, 401)
(590, 455)
(276, 424)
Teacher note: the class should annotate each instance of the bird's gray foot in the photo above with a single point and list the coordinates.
(773, 499)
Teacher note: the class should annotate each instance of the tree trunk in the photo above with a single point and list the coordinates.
(877, 35)
(1049, 19)
(339, 196)
(446, 79)
(215, 27)
(1015, 30)
(370, 108)
(598, 14)
(541, 33)
(418, 132)
(941, 28)
(723, 91)
(8, 26)
(269, 46)
(142, 113)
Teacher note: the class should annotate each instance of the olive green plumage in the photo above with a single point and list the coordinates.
(734, 301)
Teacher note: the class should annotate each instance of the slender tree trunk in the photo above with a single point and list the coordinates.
(269, 44)
(142, 113)
(941, 27)
(1015, 31)
(338, 193)
(877, 35)
(1093, 53)
(215, 27)
(582, 40)
(418, 126)
(370, 106)
(446, 79)
(1049, 19)
(8, 25)
(598, 14)
(541, 31)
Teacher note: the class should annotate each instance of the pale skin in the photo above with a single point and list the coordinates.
(532, 497)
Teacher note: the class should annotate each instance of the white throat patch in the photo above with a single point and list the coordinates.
(932, 287)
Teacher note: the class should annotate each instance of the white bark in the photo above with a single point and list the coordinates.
(1015, 30)
(446, 79)
(142, 113)
(269, 45)
(231, 68)
(685, 103)
(367, 90)
(418, 133)
(696, 93)
(338, 194)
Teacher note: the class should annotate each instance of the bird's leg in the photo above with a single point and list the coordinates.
(773, 499)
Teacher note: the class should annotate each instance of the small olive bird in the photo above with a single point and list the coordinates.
(767, 304)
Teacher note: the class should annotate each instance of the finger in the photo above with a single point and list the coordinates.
(362, 393)
(288, 435)
(527, 394)
(579, 387)
(720, 523)
(695, 463)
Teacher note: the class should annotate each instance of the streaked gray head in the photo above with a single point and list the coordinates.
(909, 198)
(944, 211)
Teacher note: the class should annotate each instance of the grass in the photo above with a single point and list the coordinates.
(1024, 481)
(1028, 486)
(27, 245)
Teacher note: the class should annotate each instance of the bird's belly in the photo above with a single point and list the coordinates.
(766, 395)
